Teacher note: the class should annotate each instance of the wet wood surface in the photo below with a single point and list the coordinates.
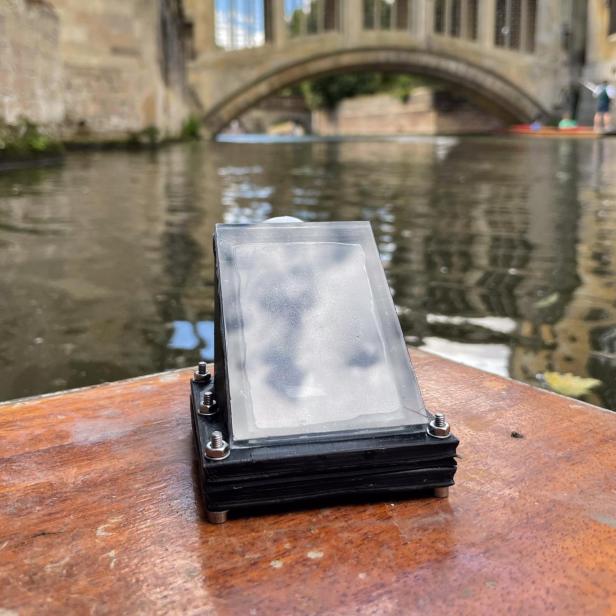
(99, 514)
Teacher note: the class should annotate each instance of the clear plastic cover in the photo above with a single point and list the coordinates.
(313, 342)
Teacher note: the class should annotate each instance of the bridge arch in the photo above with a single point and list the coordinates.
(488, 89)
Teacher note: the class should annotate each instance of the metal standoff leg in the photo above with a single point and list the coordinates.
(441, 492)
(216, 517)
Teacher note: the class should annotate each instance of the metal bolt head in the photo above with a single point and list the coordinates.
(201, 375)
(438, 427)
(217, 448)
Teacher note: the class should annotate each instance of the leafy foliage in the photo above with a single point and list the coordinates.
(327, 91)
(191, 129)
(25, 140)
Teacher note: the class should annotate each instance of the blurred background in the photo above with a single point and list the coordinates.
(129, 128)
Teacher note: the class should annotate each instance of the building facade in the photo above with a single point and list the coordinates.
(102, 68)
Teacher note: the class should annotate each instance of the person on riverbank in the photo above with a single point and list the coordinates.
(604, 93)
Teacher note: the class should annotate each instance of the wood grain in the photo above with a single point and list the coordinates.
(99, 514)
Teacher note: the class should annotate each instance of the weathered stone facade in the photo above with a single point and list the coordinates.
(100, 69)
(600, 60)
(601, 45)
(30, 66)
(274, 112)
(386, 115)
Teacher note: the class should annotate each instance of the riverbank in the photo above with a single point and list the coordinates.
(25, 144)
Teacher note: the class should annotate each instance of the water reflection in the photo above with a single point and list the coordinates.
(188, 336)
(499, 252)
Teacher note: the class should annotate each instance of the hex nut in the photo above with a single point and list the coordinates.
(208, 405)
(217, 453)
(438, 431)
(201, 378)
(206, 409)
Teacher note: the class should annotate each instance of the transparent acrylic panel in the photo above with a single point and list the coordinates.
(313, 342)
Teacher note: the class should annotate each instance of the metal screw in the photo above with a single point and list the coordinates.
(216, 439)
(217, 448)
(201, 375)
(208, 406)
(438, 427)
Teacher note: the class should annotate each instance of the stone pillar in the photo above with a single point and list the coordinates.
(423, 19)
(279, 24)
(548, 26)
(204, 24)
(487, 19)
(464, 20)
(352, 19)
(447, 19)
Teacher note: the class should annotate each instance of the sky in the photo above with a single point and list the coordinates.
(239, 23)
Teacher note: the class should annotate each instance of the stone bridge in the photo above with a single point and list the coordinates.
(506, 55)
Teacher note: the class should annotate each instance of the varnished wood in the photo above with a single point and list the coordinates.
(99, 514)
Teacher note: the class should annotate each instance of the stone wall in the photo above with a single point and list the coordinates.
(273, 112)
(30, 65)
(425, 113)
(99, 69)
(600, 54)
(601, 46)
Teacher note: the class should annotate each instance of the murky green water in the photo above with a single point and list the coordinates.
(500, 252)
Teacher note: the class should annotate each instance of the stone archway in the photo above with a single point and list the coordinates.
(489, 90)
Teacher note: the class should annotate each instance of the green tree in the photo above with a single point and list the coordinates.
(327, 91)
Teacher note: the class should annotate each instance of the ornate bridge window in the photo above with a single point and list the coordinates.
(515, 24)
(456, 18)
(611, 28)
(472, 19)
(387, 14)
(304, 17)
(241, 24)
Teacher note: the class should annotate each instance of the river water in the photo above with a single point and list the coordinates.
(500, 252)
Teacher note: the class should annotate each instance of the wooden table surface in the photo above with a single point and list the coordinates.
(99, 513)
